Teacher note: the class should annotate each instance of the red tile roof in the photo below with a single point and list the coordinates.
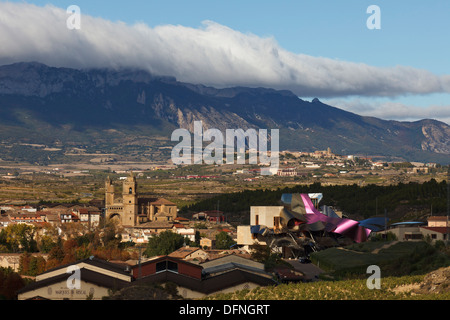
(438, 229)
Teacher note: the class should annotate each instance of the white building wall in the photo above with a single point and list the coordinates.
(263, 215)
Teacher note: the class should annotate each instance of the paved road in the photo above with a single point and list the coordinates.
(311, 271)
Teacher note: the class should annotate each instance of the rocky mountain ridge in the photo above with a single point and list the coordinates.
(33, 95)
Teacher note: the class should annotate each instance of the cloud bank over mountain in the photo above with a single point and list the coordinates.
(211, 55)
(392, 110)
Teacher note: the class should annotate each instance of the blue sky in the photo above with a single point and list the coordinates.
(413, 34)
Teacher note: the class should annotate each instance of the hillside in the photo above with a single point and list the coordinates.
(409, 271)
(113, 109)
(420, 287)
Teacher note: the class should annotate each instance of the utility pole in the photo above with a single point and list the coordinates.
(448, 202)
(376, 206)
(140, 263)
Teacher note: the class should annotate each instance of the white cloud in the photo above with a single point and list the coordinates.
(389, 110)
(212, 55)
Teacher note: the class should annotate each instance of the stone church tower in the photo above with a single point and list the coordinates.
(126, 208)
(133, 210)
(130, 201)
(109, 192)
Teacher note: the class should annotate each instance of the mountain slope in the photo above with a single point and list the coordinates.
(41, 104)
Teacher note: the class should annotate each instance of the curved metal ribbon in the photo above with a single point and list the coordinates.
(303, 211)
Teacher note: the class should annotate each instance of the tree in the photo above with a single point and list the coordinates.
(46, 244)
(56, 253)
(263, 254)
(224, 240)
(82, 252)
(164, 243)
(19, 237)
(10, 283)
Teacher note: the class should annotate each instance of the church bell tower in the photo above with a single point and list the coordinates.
(129, 200)
(109, 192)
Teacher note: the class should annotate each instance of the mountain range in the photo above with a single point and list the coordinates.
(54, 106)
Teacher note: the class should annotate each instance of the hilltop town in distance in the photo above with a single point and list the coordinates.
(83, 180)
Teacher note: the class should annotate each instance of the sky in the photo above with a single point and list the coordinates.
(322, 49)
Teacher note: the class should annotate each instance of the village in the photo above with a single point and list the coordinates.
(213, 257)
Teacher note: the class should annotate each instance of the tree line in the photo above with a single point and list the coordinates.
(364, 201)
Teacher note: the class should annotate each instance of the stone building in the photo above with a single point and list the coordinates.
(133, 210)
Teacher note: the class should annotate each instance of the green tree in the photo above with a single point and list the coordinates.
(56, 253)
(263, 254)
(19, 237)
(224, 240)
(164, 243)
(46, 244)
(82, 252)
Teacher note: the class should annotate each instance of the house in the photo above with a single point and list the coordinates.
(194, 281)
(287, 172)
(232, 258)
(185, 232)
(28, 209)
(53, 218)
(435, 233)
(68, 217)
(90, 277)
(155, 227)
(189, 253)
(88, 215)
(407, 230)
(438, 228)
(26, 217)
(207, 243)
(438, 221)
(4, 220)
(10, 260)
(95, 278)
(211, 216)
(217, 253)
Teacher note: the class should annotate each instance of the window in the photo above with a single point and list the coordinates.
(161, 266)
(130, 191)
(172, 266)
(276, 222)
(256, 219)
(167, 265)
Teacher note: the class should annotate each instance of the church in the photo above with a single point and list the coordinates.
(133, 210)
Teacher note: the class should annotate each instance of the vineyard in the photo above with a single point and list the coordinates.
(392, 288)
(408, 270)
(398, 259)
